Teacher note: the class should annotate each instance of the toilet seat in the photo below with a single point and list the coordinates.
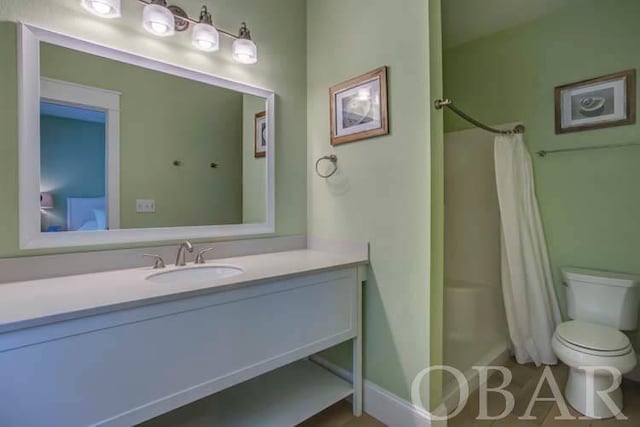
(593, 339)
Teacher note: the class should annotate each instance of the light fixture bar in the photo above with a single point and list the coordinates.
(195, 21)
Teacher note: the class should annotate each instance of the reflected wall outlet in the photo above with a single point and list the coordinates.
(145, 206)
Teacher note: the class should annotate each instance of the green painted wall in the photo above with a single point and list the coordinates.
(72, 164)
(381, 193)
(254, 170)
(8, 143)
(278, 27)
(436, 306)
(589, 200)
(164, 118)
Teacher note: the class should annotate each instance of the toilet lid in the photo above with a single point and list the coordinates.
(592, 336)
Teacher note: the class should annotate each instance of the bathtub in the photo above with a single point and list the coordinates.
(475, 327)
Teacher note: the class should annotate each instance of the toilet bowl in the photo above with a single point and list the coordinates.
(601, 304)
(597, 356)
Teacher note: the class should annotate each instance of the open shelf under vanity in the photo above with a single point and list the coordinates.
(284, 397)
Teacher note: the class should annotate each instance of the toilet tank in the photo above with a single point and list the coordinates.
(605, 298)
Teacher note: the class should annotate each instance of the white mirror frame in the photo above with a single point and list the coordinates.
(31, 237)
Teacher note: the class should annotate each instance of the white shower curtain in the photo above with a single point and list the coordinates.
(527, 284)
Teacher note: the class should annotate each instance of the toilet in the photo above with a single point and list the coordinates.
(601, 305)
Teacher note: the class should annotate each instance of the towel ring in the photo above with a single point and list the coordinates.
(333, 159)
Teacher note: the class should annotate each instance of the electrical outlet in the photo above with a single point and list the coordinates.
(145, 206)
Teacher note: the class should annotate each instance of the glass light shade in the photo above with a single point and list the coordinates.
(205, 37)
(103, 8)
(158, 20)
(245, 51)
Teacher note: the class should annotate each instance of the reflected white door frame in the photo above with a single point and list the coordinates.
(108, 101)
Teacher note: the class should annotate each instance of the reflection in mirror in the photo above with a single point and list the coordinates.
(126, 147)
(72, 167)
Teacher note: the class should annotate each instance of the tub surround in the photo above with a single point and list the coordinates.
(38, 302)
(475, 332)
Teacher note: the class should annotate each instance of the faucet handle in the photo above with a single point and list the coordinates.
(200, 257)
(158, 263)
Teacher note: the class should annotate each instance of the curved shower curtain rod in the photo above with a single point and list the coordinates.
(441, 103)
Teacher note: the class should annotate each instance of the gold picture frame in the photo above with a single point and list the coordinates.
(260, 135)
(359, 108)
(598, 103)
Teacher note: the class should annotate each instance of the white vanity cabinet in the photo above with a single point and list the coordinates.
(123, 367)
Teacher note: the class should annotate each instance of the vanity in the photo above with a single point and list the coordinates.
(121, 347)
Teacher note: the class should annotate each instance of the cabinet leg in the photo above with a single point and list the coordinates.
(357, 377)
(357, 347)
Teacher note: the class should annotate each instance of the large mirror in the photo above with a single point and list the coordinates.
(118, 148)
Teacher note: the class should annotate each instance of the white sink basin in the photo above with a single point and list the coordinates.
(195, 275)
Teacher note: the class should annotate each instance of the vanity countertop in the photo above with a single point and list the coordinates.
(39, 302)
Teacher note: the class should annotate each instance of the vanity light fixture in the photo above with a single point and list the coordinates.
(158, 19)
(163, 20)
(103, 8)
(204, 35)
(244, 49)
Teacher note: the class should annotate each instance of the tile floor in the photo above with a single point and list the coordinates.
(525, 380)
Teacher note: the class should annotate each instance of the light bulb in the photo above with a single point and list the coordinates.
(205, 37)
(245, 51)
(158, 19)
(204, 45)
(159, 28)
(103, 8)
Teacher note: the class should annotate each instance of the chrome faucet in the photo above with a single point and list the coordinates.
(181, 257)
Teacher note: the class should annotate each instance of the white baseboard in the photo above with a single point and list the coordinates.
(496, 357)
(386, 407)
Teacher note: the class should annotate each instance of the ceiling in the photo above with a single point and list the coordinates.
(466, 20)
